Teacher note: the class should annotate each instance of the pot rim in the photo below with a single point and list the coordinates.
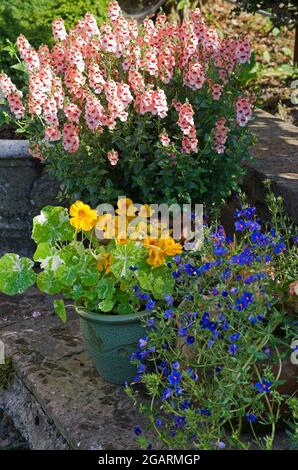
(116, 319)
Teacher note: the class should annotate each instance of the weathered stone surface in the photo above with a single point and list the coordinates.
(276, 158)
(25, 188)
(50, 362)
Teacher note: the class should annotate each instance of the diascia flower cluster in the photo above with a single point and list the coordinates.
(143, 100)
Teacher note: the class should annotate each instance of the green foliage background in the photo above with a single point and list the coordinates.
(33, 18)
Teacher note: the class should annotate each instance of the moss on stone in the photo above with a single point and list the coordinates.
(7, 372)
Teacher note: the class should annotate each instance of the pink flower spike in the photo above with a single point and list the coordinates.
(113, 157)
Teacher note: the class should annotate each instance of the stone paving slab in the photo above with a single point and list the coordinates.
(276, 158)
(84, 410)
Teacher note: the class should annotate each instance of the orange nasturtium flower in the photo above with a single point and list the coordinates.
(170, 247)
(82, 217)
(104, 262)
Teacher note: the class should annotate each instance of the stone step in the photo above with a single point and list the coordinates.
(57, 399)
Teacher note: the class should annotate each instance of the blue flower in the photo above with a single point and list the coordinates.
(206, 323)
(220, 250)
(176, 365)
(214, 291)
(177, 259)
(189, 269)
(133, 268)
(174, 378)
(279, 248)
(176, 274)
(141, 369)
(221, 445)
(251, 418)
(190, 340)
(182, 331)
(233, 349)
(234, 290)
(137, 431)
(166, 394)
(234, 337)
(185, 405)
(168, 314)
(150, 322)
(159, 422)
(226, 274)
(240, 225)
(243, 301)
(150, 305)
(253, 226)
(263, 386)
(169, 299)
(180, 421)
(143, 342)
(204, 412)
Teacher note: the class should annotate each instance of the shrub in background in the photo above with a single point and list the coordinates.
(154, 112)
(283, 12)
(34, 19)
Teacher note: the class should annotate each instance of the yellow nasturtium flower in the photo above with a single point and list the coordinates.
(126, 208)
(104, 262)
(156, 256)
(82, 217)
(170, 247)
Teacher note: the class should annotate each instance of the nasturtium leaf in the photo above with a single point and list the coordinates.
(105, 288)
(145, 279)
(67, 275)
(124, 309)
(124, 257)
(106, 305)
(44, 251)
(163, 284)
(16, 274)
(52, 224)
(89, 276)
(46, 282)
(60, 309)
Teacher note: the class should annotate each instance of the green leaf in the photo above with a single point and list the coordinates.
(106, 305)
(60, 309)
(163, 284)
(46, 282)
(90, 276)
(105, 288)
(67, 275)
(51, 225)
(125, 256)
(16, 274)
(124, 309)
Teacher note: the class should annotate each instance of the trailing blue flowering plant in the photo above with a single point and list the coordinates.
(216, 359)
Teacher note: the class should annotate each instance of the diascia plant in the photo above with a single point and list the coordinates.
(217, 357)
(152, 111)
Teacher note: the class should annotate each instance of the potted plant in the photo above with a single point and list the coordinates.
(95, 262)
(153, 111)
(221, 355)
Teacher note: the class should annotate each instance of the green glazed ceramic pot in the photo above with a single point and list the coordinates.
(110, 340)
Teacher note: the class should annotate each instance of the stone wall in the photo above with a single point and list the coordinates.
(25, 188)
